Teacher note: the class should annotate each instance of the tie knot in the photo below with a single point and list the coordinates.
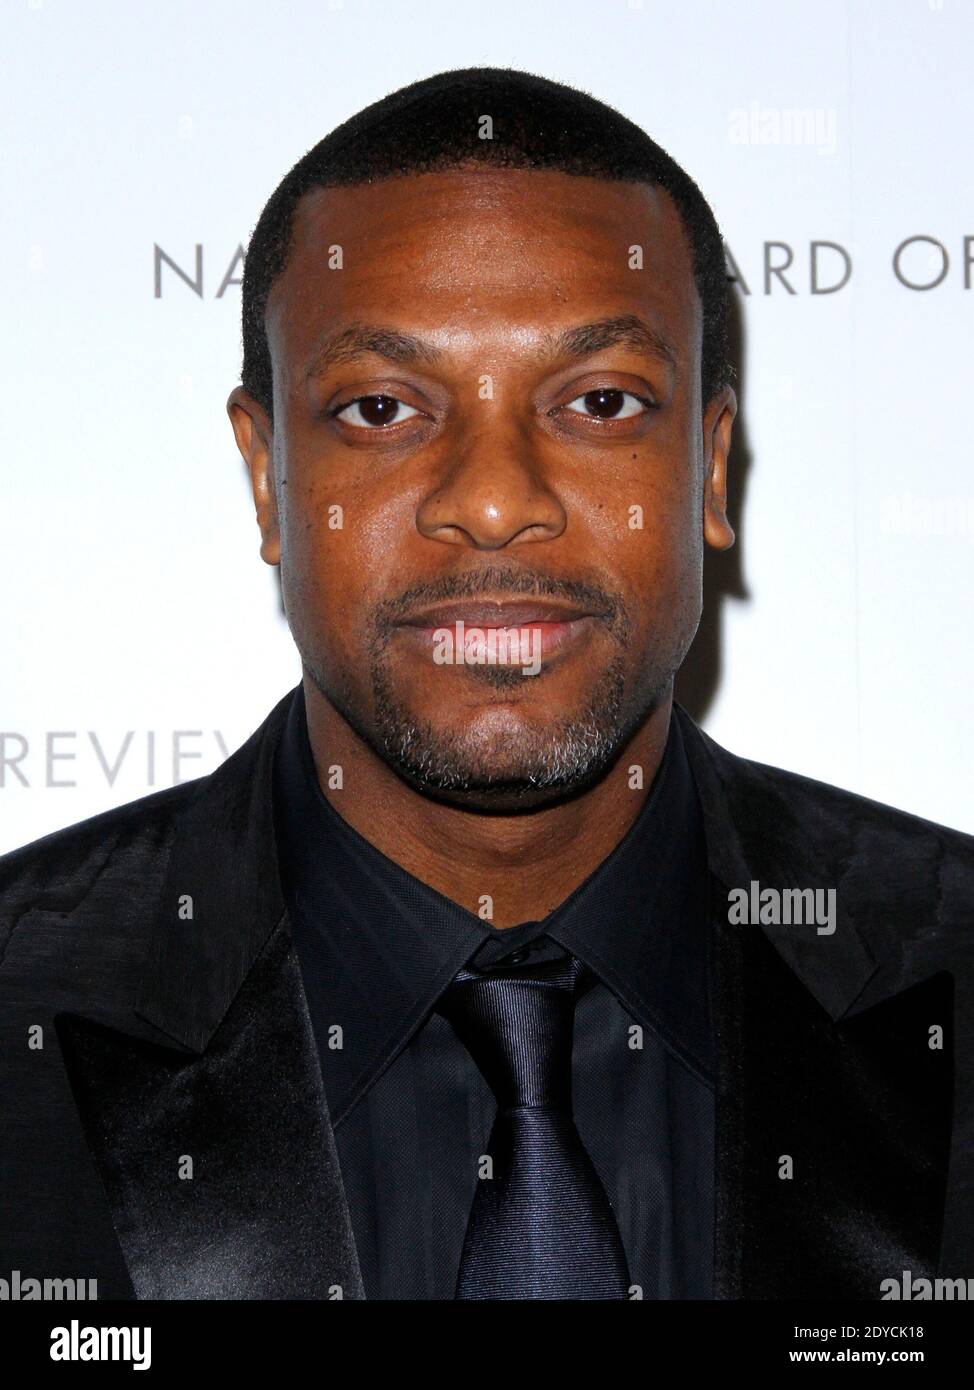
(517, 1025)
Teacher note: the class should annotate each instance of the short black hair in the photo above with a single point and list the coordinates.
(433, 125)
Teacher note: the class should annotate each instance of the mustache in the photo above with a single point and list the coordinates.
(498, 581)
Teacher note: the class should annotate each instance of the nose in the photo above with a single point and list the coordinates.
(492, 494)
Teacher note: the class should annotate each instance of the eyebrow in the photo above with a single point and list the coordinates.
(584, 340)
(359, 339)
(626, 331)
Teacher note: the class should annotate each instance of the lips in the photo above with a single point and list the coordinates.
(524, 633)
(528, 613)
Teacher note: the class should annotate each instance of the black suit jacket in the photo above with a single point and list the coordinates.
(163, 1127)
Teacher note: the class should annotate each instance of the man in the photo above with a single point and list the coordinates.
(479, 971)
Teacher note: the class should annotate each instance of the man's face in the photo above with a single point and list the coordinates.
(486, 413)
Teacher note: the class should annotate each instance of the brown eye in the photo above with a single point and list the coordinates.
(608, 405)
(372, 412)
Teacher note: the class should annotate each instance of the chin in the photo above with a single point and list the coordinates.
(530, 770)
(503, 796)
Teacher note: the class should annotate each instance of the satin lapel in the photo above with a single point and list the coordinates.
(860, 1106)
(220, 1168)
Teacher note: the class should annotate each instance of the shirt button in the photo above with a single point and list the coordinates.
(517, 957)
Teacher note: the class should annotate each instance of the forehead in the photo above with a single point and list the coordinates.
(479, 253)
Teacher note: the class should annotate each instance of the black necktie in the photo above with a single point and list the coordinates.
(541, 1225)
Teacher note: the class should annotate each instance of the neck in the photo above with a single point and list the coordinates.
(524, 865)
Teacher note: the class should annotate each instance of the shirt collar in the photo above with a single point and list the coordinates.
(377, 946)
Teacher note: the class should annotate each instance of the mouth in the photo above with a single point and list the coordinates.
(481, 632)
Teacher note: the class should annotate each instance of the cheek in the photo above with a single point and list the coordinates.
(645, 523)
(667, 582)
(314, 558)
(339, 551)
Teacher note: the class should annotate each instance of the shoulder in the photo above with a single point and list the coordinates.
(906, 882)
(78, 907)
(68, 891)
(787, 808)
(790, 807)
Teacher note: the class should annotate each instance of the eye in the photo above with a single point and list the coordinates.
(372, 412)
(609, 405)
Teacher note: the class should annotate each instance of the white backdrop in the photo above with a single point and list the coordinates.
(138, 616)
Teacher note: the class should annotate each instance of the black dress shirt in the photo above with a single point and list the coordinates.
(410, 1110)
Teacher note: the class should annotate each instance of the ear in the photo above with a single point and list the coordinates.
(254, 434)
(718, 423)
